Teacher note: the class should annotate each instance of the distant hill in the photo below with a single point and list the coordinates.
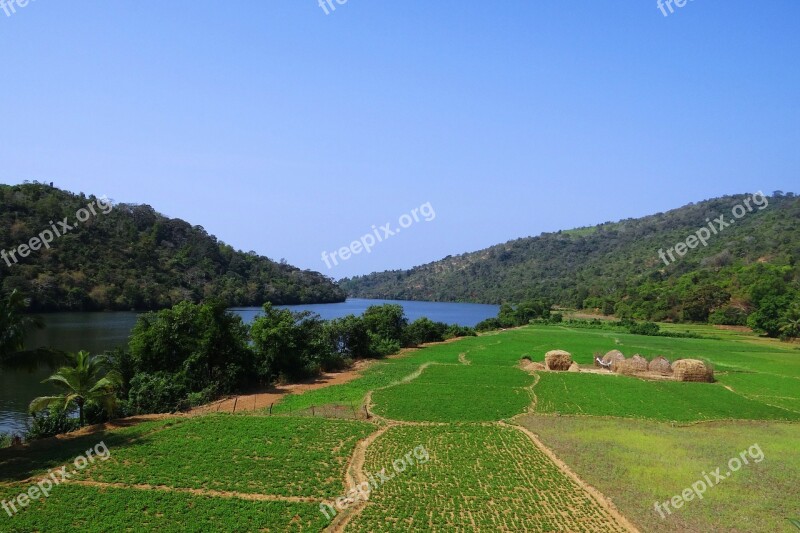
(133, 258)
(616, 266)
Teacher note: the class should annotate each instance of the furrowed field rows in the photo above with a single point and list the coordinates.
(280, 456)
(15, 466)
(457, 393)
(479, 477)
(613, 395)
(99, 510)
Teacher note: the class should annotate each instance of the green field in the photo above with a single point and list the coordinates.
(637, 463)
(490, 478)
(637, 441)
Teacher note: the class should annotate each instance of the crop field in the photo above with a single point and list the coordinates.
(100, 510)
(614, 395)
(479, 477)
(636, 441)
(637, 463)
(304, 456)
(457, 393)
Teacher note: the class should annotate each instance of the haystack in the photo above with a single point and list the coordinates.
(660, 365)
(535, 366)
(574, 368)
(635, 365)
(692, 370)
(614, 357)
(557, 360)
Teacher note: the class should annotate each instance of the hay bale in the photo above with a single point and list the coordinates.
(692, 370)
(614, 357)
(660, 365)
(574, 368)
(557, 360)
(635, 365)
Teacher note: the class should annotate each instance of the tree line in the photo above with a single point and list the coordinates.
(191, 354)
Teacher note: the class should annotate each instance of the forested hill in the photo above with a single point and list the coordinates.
(616, 265)
(133, 258)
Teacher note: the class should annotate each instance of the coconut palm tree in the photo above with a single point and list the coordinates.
(88, 378)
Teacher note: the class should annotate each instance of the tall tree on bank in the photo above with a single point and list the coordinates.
(88, 378)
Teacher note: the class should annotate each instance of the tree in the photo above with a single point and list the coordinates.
(87, 379)
(790, 323)
(14, 324)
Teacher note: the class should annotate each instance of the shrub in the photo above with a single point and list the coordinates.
(49, 423)
(159, 392)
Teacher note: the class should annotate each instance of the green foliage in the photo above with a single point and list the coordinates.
(49, 423)
(14, 325)
(136, 258)
(160, 392)
(290, 345)
(386, 323)
(644, 328)
(5, 440)
(86, 379)
(614, 268)
(205, 344)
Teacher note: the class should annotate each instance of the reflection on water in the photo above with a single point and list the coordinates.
(98, 332)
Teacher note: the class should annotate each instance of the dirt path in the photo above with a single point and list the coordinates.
(262, 400)
(462, 358)
(355, 476)
(598, 496)
(201, 492)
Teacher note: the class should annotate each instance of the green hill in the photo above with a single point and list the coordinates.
(132, 258)
(616, 266)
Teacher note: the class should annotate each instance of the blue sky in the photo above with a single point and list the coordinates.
(287, 131)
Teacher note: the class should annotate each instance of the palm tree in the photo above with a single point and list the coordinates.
(791, 323)
(14, 324)
(89, 378)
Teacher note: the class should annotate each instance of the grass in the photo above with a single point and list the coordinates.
(637, 463)
(621, 396)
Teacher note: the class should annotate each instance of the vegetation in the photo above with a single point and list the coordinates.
(192, 353)
(747, 275)
(136, 258)
(637, 463)
(628, 397)
(479, 477)
(631, 441)
(87, 380)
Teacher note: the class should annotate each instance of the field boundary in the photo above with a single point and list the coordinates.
(200, 492)
(600, 498)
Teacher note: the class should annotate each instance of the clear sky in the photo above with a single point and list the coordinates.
(287, 131)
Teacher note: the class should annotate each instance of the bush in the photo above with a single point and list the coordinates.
(424, 330)
(160, 392)
(5, 440)
(49, 423)
(644, 328)
(728, 316)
